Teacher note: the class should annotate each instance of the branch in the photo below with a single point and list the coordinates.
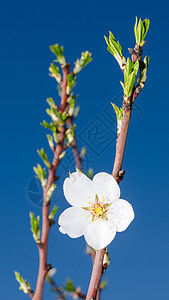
(118, 174)
(75, 148)
(45, 210)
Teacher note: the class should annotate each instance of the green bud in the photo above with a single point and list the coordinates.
(50, 141)
(70, 133)
(62, 155)
(35, 227)
(119, 115)
(83, 152)
(50, 192)
(47, 125)
(76, 111)
(24, 285)
(130, 74)
(53, 213)
(70, 83)
(103, 284)
(141, 30)
(82, 62)
(58, 51)
(106, 259)
(69, 287)
(41, 174)
(54, 72)
(44, 157)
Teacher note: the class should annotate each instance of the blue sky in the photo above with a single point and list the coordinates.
(139, 256)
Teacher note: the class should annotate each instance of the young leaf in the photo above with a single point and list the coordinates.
(41, 174)
(54, 72)
(70, 82)
(58, 51)
(53, 212)
(50, 192)
(44, 157)
(82, 62)
(140, 31)
(35, 227)
(24, 285)
(119, 115)
(51, 142)
(116, 50)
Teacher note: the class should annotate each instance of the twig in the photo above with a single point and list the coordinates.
(75, 148)
(45, 210)
(118, 174)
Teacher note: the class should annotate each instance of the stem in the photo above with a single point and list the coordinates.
(120, 146)
(46, 207)
(75, 148)
(96, 275)
(97, 272)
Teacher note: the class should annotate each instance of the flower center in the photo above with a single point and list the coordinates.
(98, 211)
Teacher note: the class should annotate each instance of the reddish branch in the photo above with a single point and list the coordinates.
(117, 173)
(74, 148)
(45, 210)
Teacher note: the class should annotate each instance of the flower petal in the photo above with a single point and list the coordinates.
(98, 234)
(105, 185)
(121, 214)
(78, 190)
(73, 221)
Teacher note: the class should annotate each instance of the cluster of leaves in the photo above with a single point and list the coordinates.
(140, 31)
(132, 80)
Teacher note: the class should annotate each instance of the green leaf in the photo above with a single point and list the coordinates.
(82, 62)
(70, 133)
(140, 31)
(41, 174)
(115, 49)
(69, 287)
(62, 117)
(24, 285)
(103, 284)
(51, 142)
(143, 67)
(58, 51)
(83, 152)
(71, 101)
(47, 125)
(53, 212)
(119, 115)
(54, 72)
(130, 74)
(35, 227)
(44, 157)
(70, 82)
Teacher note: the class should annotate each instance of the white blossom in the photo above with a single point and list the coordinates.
(96, 212)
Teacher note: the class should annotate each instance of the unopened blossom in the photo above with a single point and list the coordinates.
(96, 212)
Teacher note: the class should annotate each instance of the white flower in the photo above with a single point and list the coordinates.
(96, 212)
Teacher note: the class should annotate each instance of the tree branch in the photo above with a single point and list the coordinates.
(118, 174)
(75, 148)
(46, 206)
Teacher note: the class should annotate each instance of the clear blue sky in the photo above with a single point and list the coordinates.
(139, 256)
